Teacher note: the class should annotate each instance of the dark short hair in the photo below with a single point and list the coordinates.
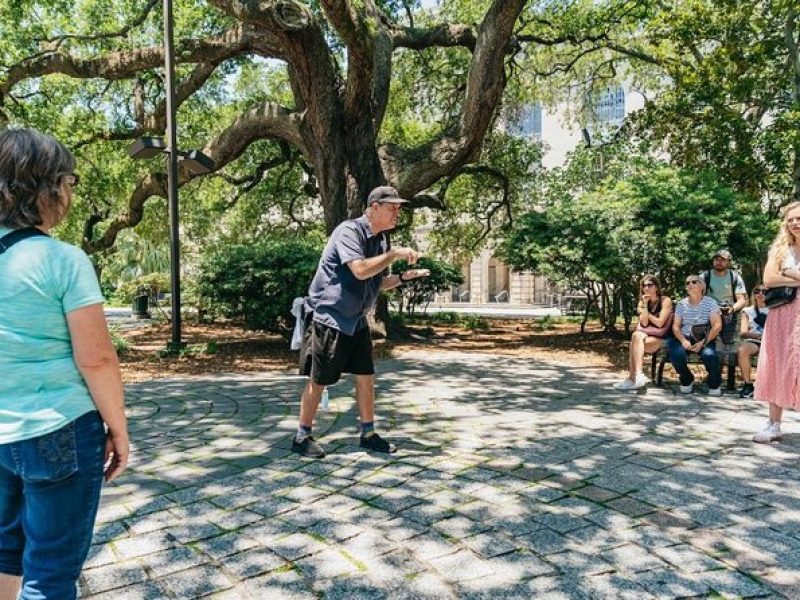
(31, 167)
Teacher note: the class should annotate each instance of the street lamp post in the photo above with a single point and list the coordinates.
(195, 161)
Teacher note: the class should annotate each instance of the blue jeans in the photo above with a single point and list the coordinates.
(49, 493)
(708, 355)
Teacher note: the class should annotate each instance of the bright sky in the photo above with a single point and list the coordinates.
(429, 3)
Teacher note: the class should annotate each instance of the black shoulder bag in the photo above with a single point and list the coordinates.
(18, 235)
(778, 296)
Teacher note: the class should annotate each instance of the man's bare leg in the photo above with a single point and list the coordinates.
(303, 443)
(9, 586)
(365, 396)
(309, 402)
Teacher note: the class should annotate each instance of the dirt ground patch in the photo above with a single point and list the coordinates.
(226, 348)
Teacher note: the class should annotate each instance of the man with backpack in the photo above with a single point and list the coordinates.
(727, 287)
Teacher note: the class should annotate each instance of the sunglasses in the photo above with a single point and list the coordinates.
(760, 291)
(692, 281)
(648, 284)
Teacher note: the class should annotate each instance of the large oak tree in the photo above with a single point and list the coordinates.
(338, 57)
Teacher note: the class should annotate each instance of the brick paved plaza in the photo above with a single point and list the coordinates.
(514, 479)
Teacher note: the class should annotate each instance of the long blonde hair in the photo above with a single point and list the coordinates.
(785, 239)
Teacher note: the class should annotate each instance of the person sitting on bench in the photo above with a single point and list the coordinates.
(655, 321)
(696, 325)
(752, 327)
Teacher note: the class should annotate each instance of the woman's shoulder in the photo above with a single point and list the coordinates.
(65, 249)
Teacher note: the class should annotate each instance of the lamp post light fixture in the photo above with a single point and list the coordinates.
(195, 162)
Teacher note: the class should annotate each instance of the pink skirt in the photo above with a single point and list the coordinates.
(778, 379)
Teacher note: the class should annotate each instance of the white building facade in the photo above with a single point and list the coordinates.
(487, 280)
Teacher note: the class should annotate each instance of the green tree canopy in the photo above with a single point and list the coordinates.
(659, 220)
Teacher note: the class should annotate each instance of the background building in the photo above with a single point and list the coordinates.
(488, 280)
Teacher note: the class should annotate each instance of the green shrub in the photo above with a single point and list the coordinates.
(546, 323)
(445, 318)
(121, 345)
(475, 322)
(256, 283)
(419, 292)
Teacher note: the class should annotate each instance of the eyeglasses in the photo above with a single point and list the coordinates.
(760, 291)
(648, 284)
(692, 281)
(72, 179)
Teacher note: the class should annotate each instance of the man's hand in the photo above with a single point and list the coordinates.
(697, 347)
(407, 254)
(415, 274)
(687, 345)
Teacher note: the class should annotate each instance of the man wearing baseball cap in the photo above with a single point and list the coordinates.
(354, 267)
(724, 284)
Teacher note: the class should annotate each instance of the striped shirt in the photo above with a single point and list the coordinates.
(695, 314)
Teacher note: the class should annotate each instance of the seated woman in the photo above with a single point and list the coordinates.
(655, 319)
(750, 331)
(696, 325)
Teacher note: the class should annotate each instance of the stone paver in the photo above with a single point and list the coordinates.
(514, 479)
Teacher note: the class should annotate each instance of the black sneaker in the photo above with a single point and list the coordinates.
(376, 443)
(308, 447)
(747, 390)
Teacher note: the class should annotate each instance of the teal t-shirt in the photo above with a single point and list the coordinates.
(41, 389)
(720, 289)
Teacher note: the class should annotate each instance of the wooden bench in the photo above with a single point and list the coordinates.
(727, 359)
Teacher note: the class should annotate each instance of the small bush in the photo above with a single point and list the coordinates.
(546, 323)
(476, 323)
(121, 345)
(420, 292)
(256, 283)
(445, 318)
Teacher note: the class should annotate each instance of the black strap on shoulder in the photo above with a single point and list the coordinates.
(18, 235)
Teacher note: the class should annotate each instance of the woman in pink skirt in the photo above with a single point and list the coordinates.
(779, 360)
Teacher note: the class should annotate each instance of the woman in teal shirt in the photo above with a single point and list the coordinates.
(62, 417)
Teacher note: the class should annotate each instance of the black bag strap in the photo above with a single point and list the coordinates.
(18, 235)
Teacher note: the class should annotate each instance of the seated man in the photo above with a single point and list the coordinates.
(753, 319)
(696, 325)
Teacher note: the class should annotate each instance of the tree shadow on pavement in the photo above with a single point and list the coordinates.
(514, 479)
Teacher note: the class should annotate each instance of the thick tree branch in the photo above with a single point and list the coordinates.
(446, 35)
(422, 167)
(126, 64)
(156, 122)
(262, 122)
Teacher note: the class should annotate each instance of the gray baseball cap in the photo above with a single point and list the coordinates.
(385, 193)
(723, 253)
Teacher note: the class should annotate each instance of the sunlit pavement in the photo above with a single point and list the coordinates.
(514, 479)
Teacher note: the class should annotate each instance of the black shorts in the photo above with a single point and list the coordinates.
(326, 353)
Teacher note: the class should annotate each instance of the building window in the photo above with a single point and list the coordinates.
(609, 106)
(527, 122)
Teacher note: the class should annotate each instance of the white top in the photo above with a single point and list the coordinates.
(750, 311)
(790, 262)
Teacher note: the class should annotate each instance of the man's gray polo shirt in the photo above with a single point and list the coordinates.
(337, 298)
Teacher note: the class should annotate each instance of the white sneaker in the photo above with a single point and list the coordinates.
(687, 389)
(771, 433)
(627, 384)
(715, 391)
